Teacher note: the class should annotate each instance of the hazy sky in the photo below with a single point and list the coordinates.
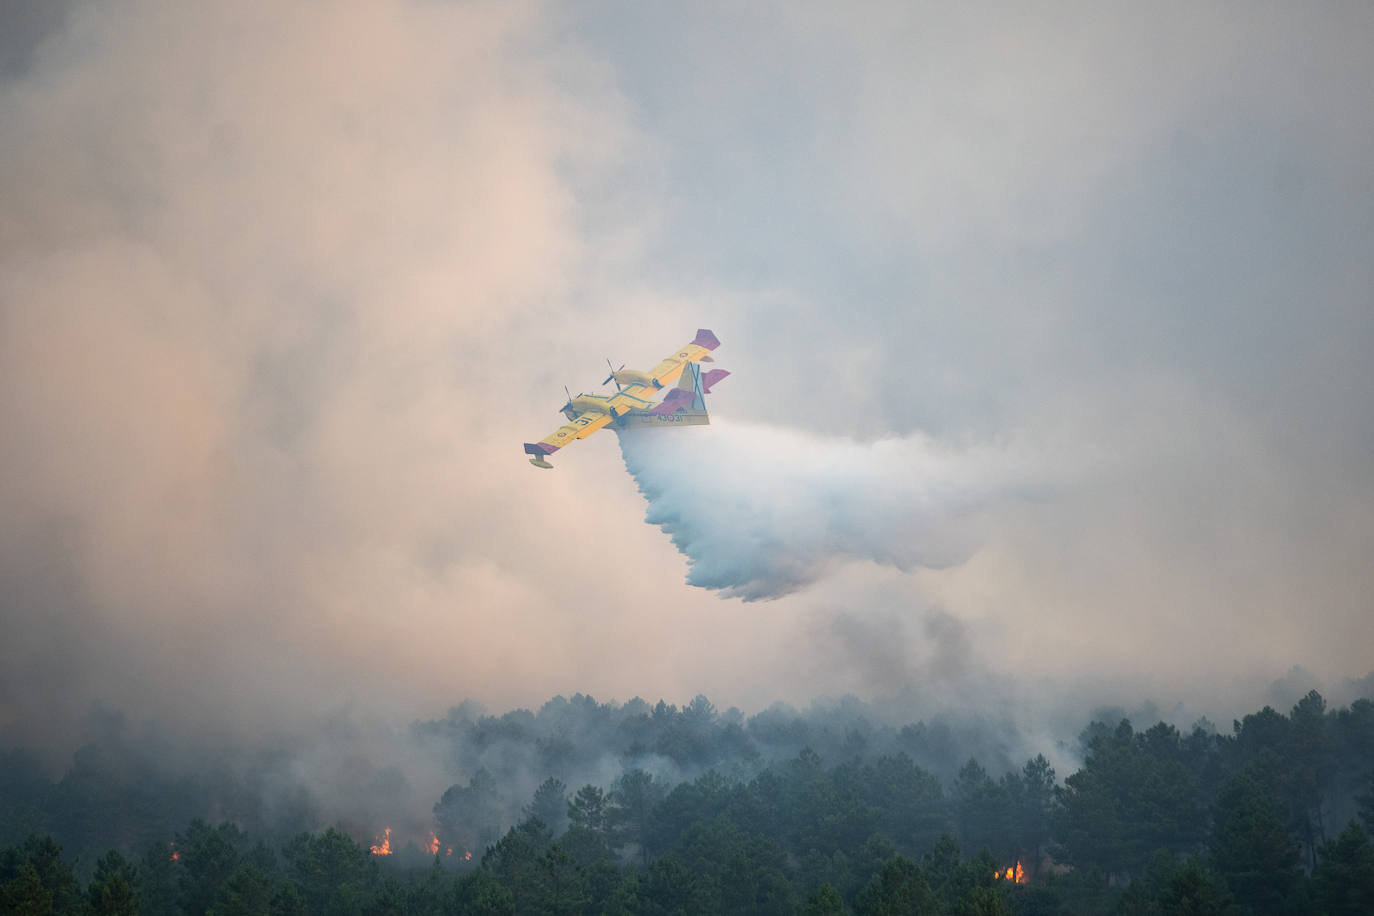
(1050, 333)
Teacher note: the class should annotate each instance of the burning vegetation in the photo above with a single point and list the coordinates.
(383, 847)
(1014, 873)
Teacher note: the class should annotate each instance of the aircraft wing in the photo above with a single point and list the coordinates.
(580, 428)
(700, 348)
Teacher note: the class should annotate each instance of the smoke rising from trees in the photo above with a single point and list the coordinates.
(600, 794)
(275, 316)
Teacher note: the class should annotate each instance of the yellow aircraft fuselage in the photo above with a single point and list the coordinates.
(616, 405)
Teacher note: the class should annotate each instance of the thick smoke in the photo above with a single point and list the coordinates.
(760, 512)
(276, 314)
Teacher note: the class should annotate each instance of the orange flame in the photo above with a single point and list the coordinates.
(467, 855)
(176, 856)
(1013, 873)
(385, 848)
(433, 843)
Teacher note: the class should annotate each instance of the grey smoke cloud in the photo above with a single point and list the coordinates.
(283, 287)
(761, 512)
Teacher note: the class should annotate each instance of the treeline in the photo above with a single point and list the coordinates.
(131, 786)
(1262, 820)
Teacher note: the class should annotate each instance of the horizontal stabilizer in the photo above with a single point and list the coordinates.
(710, 378)
(705, 339)
(539, 448)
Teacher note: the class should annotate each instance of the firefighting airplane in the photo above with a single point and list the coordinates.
(633, 403)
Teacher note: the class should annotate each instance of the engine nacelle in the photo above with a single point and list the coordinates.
(627, 377)
(587, 403)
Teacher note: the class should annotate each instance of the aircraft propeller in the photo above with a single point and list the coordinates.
(611, 378)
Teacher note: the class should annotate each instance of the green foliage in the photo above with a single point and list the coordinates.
(247, 892)
(1353, 741)
(981, 901)
(539, 874)
(622, 898)
(469, 817)
(588, 809)
(428, 896)
(24, 797)
(1343, 881)
(969, 885)
(686, 737)
(390, 900)
(1176, 887)
(1251, 847)
(23, 893)
(865, 863)
(114, 889)
(671, 889)
(1310, 767)
(35, 878)
(746, 872)
(1133, 795)
(900, 889)
(1080, 892)
(702, 799)
(1038, 900)
(982, 812)
(1366, 802)
(1031, 795)
(332, 874)
(825, 809)
(605, 886)
(630, 815)
(158, 875)
(287, 902)
(208, 856)
(826, 901)
(1195, 890)
(1295, 757)
(910, 802)
(586, 847)
(480, 894)
(588, 840)
(550, 805)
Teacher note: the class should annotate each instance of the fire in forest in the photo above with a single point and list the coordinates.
(176, 856)
(1013, 873)
(383, 846)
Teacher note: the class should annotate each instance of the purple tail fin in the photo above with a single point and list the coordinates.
(705, 339)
